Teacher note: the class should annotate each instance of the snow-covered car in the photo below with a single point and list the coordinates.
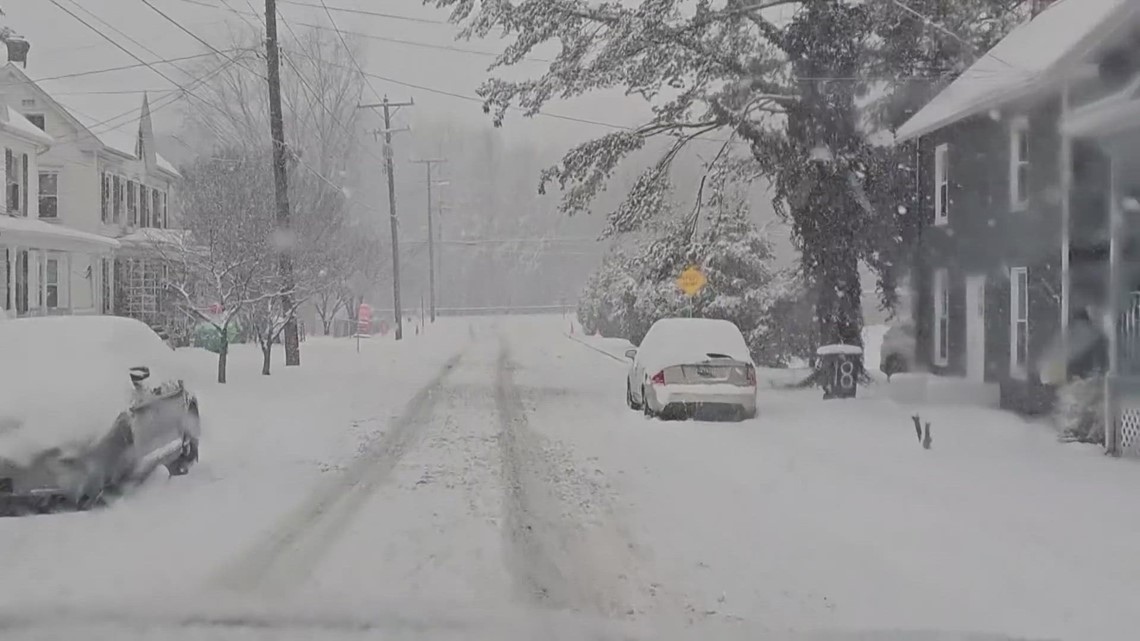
(87, 406)
(686, 364)
(897, 352)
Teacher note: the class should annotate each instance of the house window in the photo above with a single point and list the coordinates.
(37, 120)
(24, 183)
(117, 199)
(165, 212)
(1019, 165)
(51, 282)
(12, 182)
(156, 210)
(132, 203)
(105, 199)
(1018, 321)
(941, 184)
(941, 318)
(49, 194)
(144, 206)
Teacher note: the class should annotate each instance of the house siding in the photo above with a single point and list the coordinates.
(986, 235)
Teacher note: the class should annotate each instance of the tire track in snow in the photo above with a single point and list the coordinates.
(292, 549)
(562, 547)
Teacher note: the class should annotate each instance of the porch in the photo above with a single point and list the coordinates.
(1105, 250)
(141, 269)
(49, 269)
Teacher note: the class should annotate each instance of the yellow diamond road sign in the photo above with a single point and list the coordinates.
(691, 281)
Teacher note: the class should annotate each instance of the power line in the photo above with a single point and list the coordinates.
(425, 45)
(92, 72)
(113, 92)
(214, 49)
(370, 36)
(363, 12)
(348, 50)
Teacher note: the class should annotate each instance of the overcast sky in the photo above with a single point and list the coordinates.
(416, 51)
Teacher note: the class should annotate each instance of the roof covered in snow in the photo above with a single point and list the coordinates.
(37, 233)
(1024, 62)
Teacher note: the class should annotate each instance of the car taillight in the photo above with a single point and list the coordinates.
(750, 373)
(659, 378)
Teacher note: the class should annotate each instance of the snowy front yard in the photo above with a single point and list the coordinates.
(491, 466)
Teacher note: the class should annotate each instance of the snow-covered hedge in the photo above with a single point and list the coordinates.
(1079, 411)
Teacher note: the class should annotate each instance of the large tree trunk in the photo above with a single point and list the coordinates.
(266, 343)
(839, 302)
(223, 355)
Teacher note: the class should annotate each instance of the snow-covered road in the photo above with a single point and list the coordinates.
(491, 465)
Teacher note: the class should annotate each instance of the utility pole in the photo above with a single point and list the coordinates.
(281, 185)
(431, 233)
(390, 164)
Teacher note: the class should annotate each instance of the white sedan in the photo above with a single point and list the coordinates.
(689, 364)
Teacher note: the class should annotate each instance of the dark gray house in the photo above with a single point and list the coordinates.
(1018, 199)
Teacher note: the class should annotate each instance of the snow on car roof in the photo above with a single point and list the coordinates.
(673, 341)
(68, 379)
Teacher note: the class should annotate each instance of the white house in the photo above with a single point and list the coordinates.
(99, 181)
(45, 266)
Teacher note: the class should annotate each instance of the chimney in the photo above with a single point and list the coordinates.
(16, 50)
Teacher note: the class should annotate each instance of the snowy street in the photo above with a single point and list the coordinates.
(491, 465)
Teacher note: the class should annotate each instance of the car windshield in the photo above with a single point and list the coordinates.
(518, 319)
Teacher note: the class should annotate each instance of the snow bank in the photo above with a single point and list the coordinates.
(916, 388)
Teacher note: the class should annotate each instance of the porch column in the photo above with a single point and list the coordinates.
(10, 295)
(1114, 296)
(42, 275)
(65, 277)
(1066, 222)
(112, 283)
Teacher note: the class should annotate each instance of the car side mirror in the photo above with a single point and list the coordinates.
(140, 373)
(631, 354)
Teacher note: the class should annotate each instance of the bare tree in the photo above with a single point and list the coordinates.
(320, 91)
(219, 265)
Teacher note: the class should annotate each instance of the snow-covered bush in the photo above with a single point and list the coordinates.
(1079, 410)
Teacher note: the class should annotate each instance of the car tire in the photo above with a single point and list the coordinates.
(629, 397)
(645, 405)
(188, 456)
